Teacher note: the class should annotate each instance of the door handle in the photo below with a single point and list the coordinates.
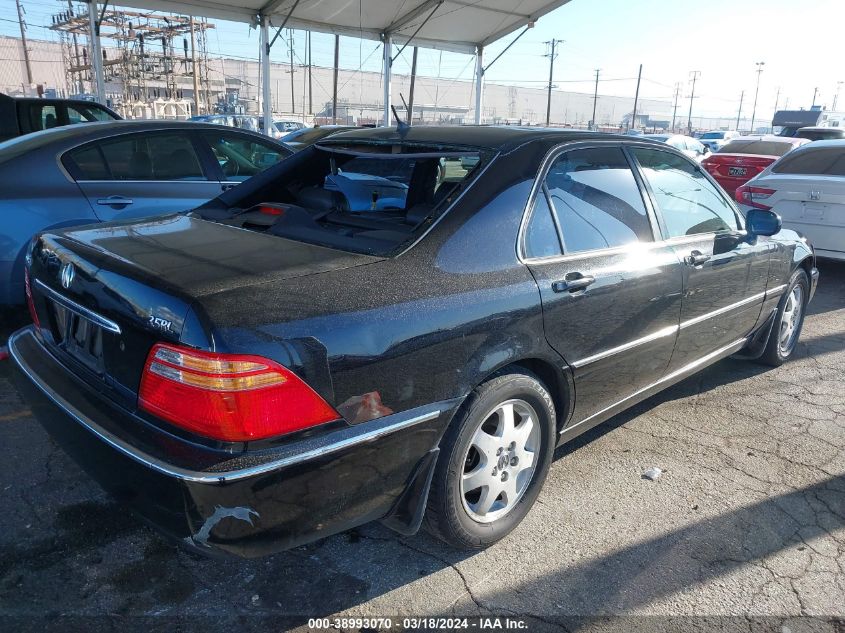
(227, 187)
(115, 201)
(572, 282)
(696, 258)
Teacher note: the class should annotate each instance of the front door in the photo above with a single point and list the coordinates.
(611, 295)
(143, 174)
(724, 276)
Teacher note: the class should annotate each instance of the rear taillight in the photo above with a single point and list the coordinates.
(29, 302)
(752, 196)
(228, 397)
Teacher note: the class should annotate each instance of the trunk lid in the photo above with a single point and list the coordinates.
(105, 294)
(815, 206)
(734, 170)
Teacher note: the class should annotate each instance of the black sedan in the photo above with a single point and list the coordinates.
(285, 363)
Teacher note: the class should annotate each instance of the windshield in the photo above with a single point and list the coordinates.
(713, 135)
(362, 199)
(754, 146)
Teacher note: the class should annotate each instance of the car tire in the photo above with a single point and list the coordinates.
(789, 320)
(513, 471)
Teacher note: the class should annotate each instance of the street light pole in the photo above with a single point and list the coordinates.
(815, 94)
(739, 114)
(756, 92)
(595, 99)
(695, 74)
(836, 96)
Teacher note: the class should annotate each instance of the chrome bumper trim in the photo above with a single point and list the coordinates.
(352, 438)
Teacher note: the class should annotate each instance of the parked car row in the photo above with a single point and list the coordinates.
(290, 360)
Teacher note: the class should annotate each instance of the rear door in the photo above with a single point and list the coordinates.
(809, 195)
(141, 174)
(724, 276)
(611, 295)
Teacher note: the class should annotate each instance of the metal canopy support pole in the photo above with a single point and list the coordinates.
(334, 80)
(386, 78)
(411, 91)
(99, 84)
(479, 84)
(266, 99)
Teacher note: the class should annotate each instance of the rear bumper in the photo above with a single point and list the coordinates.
(249, 504)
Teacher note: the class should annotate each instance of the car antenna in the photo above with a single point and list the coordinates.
(401, 127)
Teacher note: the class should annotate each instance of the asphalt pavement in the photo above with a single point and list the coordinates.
(745, 525)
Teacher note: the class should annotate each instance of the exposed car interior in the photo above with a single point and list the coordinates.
(364, 199)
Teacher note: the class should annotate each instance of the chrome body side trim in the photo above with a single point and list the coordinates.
(209, 477)
(776, 291)
(699, 319)
(670, 330)
(686, 369)
(667, 331)
(103, 322)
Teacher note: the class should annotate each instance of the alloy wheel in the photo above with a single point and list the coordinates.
(500, 461)
(791, 318)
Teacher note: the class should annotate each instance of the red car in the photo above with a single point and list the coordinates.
(745, 157)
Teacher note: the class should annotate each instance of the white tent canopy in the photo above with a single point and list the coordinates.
(463, 26)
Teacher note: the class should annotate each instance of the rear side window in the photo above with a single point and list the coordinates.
(762, 148)
(688, 202)
(85, 113)
(42, 116)
(817, 162)
(541, 238)
(138, 157)
(87, 164)
(597, 201)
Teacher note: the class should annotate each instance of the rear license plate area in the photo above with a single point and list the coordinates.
(79, 338)
(737, 171)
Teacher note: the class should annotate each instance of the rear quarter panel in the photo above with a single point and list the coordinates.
(33, 198)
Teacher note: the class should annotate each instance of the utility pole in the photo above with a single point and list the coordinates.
(675, 110)
(836, 96)
(777, 99)
(695, 74)
(22, 24)
(595, 100)
(756, 92)
(292, 95)
(739, 114)
(552, 54)
(194, 67)
(815, 94)
(411, 91)
(637, 97)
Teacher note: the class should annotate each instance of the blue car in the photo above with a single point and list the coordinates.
(117, 170)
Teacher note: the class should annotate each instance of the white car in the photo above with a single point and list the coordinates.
(687, 144)
(717, 139)
(807, 189)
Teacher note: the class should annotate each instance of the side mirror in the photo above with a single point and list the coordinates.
(762, 222)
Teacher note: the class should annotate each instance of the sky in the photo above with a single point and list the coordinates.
(723, 39)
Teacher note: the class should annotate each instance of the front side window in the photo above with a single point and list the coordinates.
(687, 200)
(240, 156)
(597, 200)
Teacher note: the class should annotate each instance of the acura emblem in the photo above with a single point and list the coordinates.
(66, 275)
